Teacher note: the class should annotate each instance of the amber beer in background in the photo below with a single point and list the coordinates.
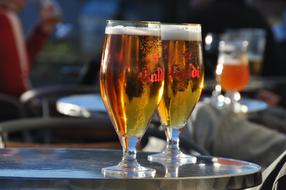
(255, 65)
(233, 71)
(184, 75)
(132, 78)
(234, 77)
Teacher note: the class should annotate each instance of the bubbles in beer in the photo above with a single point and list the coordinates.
(182, 57)
(132, 84)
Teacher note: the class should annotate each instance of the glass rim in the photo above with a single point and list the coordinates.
(181, 24)
(109, 21)
(193, 26)
(181, 31)
(144, 28)
(232, 45)
(130, 22)
(188, 30)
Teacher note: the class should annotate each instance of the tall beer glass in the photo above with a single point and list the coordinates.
(184, 78)
(232, 70)
(131, 84)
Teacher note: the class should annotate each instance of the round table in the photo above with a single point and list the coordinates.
(75, 169)
(87, 105)
(84, 105)
(206, 173)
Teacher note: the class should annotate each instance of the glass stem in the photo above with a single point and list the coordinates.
(2, 143)
(173, 138)
(129, 151)
(172, 170)
(234, 100)
(217, 98)
(234, 96)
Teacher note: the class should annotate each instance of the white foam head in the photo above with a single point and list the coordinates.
(188, 32)
(131, 30)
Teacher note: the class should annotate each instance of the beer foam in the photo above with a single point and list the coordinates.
(228, 60)
(130, 30)
(181, 32)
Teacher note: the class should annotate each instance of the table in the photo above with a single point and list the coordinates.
(88, 105)
(74, 169)
(207, 173)
(85, 105)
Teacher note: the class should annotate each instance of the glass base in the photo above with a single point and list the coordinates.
(131, 171)
(172, 156)
(232, 104)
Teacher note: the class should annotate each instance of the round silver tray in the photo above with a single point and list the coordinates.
(81, 169)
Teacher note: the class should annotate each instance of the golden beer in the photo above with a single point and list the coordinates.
(184, 76)
(255, 65)
(132, 78)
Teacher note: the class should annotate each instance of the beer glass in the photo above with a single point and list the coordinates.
(184, 78)
(131, 84)
(256, 45)
(50, 10)
(232, 70)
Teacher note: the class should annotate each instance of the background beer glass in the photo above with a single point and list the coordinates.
(52, 15)
(256, 45)
(232, 70)
(131, 84)
(50, 10)
(184, 78)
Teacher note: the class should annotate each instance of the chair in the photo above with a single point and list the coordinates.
(10, 108)
(42, 101)
(64, 132)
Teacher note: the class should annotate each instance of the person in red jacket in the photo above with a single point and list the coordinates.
(16, 54)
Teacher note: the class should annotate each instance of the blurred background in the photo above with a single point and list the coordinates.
(79, 37)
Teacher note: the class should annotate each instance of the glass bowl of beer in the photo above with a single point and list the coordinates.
(184, 78)
(232, 71)
(131, 85)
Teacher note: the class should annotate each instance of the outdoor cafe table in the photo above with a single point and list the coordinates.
(205, 174)
(88, 105)
(74, 169)
(85, 105)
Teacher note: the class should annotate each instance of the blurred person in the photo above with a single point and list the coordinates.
(16, 55)
(234, 137)
(217, 16)
(226, 134)
(280, 29)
